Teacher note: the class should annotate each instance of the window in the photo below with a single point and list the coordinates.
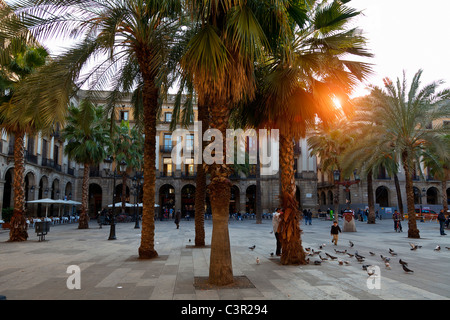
(124, 115)
(190, 142)
(168, 117)
(189, 167)
(167, 167)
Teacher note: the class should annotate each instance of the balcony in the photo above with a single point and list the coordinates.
(31, 157)
(50, 163)
(166, 148)
(188, 175)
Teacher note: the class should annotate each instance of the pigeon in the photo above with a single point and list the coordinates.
(271, 254)
(438, 248)
(307, 261)
(447, 248)
(403, 262)
(393, 253)
(350, 255)
(390, 250)
(257, 260)
(252, 247)
(315, 252)
(340, 262)
(308, 249)
(359, 258)
(385, 259)
(370, 273)
(330, 256)
(323, 259)
(317, 262)
(371, 253)
(388, 266)
(337, 251)
(351, 243)
(346, 262)
(189, 240)
(365, 266)
(406, 268)
(414, 246)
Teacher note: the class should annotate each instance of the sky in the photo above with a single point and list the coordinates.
(403, 35)
(406, 35)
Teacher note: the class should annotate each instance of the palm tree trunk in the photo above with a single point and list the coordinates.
(220, 270)
(83, 223)
(371, 202)
(413, 232)
(399, 194)
(18, 225)
(150, 103)
(291, 245)
(200, 189)
(258, 208)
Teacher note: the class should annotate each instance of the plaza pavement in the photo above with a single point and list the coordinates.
(111, 270)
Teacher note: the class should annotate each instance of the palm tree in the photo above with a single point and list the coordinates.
(20, 57)
(295, 88)
(330, 144)
(130, 37)
(229, 37)
(439, 167)
(406, 117)
(127, 145)
(87, 140)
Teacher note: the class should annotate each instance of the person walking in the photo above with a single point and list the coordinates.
(335, 229)
(178, 218)
(441, 219)
(309, 216)
(397, 221)
(276, 223)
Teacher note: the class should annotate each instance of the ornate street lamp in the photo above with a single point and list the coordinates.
(137, 182)
(108, 169)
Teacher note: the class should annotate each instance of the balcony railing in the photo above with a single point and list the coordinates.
(50, 163)
(166, 149)
(31, 157)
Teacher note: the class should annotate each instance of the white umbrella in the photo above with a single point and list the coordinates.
(141, 205)
(119, 204)
(46, 201)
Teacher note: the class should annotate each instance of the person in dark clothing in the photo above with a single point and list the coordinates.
(178, 218)
(335, 230)
(441, 219)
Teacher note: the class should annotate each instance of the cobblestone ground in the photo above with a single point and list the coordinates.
(111, 270)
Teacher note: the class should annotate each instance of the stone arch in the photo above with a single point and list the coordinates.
(382, 196)
(432, 195)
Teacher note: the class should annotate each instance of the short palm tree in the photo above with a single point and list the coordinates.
(18, 59)
(406, 118)
(87, 141)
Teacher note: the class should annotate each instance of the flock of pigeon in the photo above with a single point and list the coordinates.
(387, 260)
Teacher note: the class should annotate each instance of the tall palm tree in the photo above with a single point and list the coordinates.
(125, 36)
(87, 140)
(19, 58)
(230, 36)
(296, 86)
(406, 117)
